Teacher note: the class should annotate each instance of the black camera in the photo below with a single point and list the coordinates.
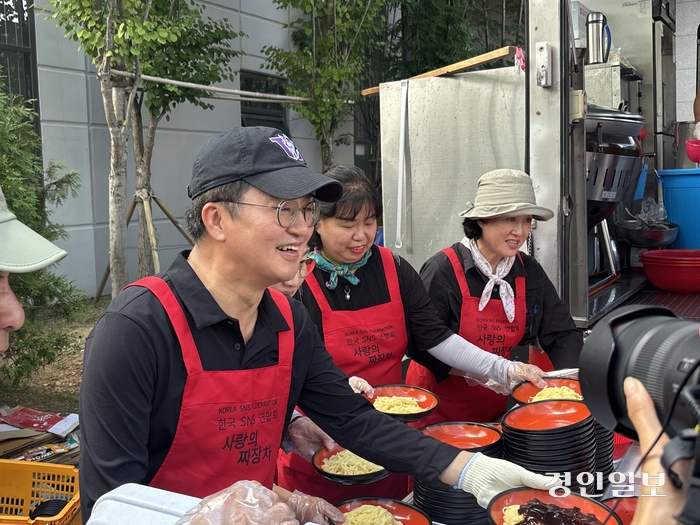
(651, 344)
(663, 351)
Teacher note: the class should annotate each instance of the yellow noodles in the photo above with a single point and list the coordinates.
(370, 515)
(348, 464)
(556, 392)
(511, 516)
(397, 405)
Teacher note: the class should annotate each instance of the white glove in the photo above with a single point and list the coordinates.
(360, 386)
(484, 477)
(696, 133)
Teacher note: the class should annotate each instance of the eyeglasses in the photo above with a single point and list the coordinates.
(306, 267)
(288, 211)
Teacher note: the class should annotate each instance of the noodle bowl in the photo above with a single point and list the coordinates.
(397, 405)
(346, 463)
(370, 515)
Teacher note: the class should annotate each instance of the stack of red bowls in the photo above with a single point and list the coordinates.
(443, 503)
(553, 437)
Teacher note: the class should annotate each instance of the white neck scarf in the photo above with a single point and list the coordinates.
(502, 269)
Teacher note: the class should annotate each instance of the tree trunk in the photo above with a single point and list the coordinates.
(114, 99)
(326, 154)
(143, 187)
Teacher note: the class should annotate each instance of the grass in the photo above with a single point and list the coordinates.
(38, 398)
(37, 392)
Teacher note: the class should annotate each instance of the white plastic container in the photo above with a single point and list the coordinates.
(134, 504)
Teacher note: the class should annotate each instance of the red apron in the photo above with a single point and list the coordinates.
(369, 343)
(488, 329)
(231, 421)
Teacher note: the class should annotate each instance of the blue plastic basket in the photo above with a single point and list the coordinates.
(681, 191)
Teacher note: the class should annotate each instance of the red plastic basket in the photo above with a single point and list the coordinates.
(673, 270)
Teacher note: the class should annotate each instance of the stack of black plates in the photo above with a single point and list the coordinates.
(443, 503)
(604, 452)
(552, 437)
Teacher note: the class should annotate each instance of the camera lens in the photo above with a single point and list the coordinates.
(646, 342)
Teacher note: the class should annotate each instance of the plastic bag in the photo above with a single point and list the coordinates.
(243, 503)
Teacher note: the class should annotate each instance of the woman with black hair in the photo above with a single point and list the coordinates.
(493, 295)
(369, 305)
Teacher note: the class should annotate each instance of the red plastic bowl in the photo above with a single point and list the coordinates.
(522, 495)
(692, 149)
(400, 511)
(524, 392)
(673, 270)
(546, 415)
(425, 399)
(463, 435)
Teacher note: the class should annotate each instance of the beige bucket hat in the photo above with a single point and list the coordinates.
(505, 192)
(23, 250)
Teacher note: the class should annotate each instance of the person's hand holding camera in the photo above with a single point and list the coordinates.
(653, 510)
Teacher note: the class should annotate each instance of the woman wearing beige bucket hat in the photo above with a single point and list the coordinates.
(494, 296)
(22, 250)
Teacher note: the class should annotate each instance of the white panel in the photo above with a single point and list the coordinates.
(458, 129)
(262, 33)
(266, 10)
(546, 137)
(62, 96)
(69, 145)
(53, 48)
(79, 265)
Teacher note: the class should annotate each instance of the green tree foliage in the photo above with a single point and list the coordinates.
(430, 34)
(31, 194)
(332, 41)
(170, 39)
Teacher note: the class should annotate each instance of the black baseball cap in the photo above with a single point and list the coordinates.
(265, 158)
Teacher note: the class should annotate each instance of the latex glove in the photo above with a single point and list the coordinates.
(696, 133)
(519, 372)
(484, 477)
(310, 508)
(307, 437)
(360, 386)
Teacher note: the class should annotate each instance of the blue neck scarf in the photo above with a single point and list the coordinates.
(336, 269)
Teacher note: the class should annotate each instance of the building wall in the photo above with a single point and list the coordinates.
(687, 22)
(74, 131)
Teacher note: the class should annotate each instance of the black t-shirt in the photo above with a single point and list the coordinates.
(423, 325)
(134, 377)
(548, 319)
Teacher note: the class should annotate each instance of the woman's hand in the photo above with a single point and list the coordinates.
(651, 509)
(519, 372)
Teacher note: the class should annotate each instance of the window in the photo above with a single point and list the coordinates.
(16, 48)
(270, 114)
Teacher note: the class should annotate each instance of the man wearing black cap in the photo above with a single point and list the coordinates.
(191, 377)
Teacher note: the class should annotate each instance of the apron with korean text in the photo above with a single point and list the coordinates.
(489, 330)
(231, 421)
(369, 343)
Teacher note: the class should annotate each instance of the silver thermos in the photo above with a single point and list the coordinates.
(598, 38)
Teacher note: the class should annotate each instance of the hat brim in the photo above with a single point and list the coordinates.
(296, 182)
(24, 250)
(509, 210)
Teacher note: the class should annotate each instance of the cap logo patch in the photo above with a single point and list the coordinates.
(284, 142)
